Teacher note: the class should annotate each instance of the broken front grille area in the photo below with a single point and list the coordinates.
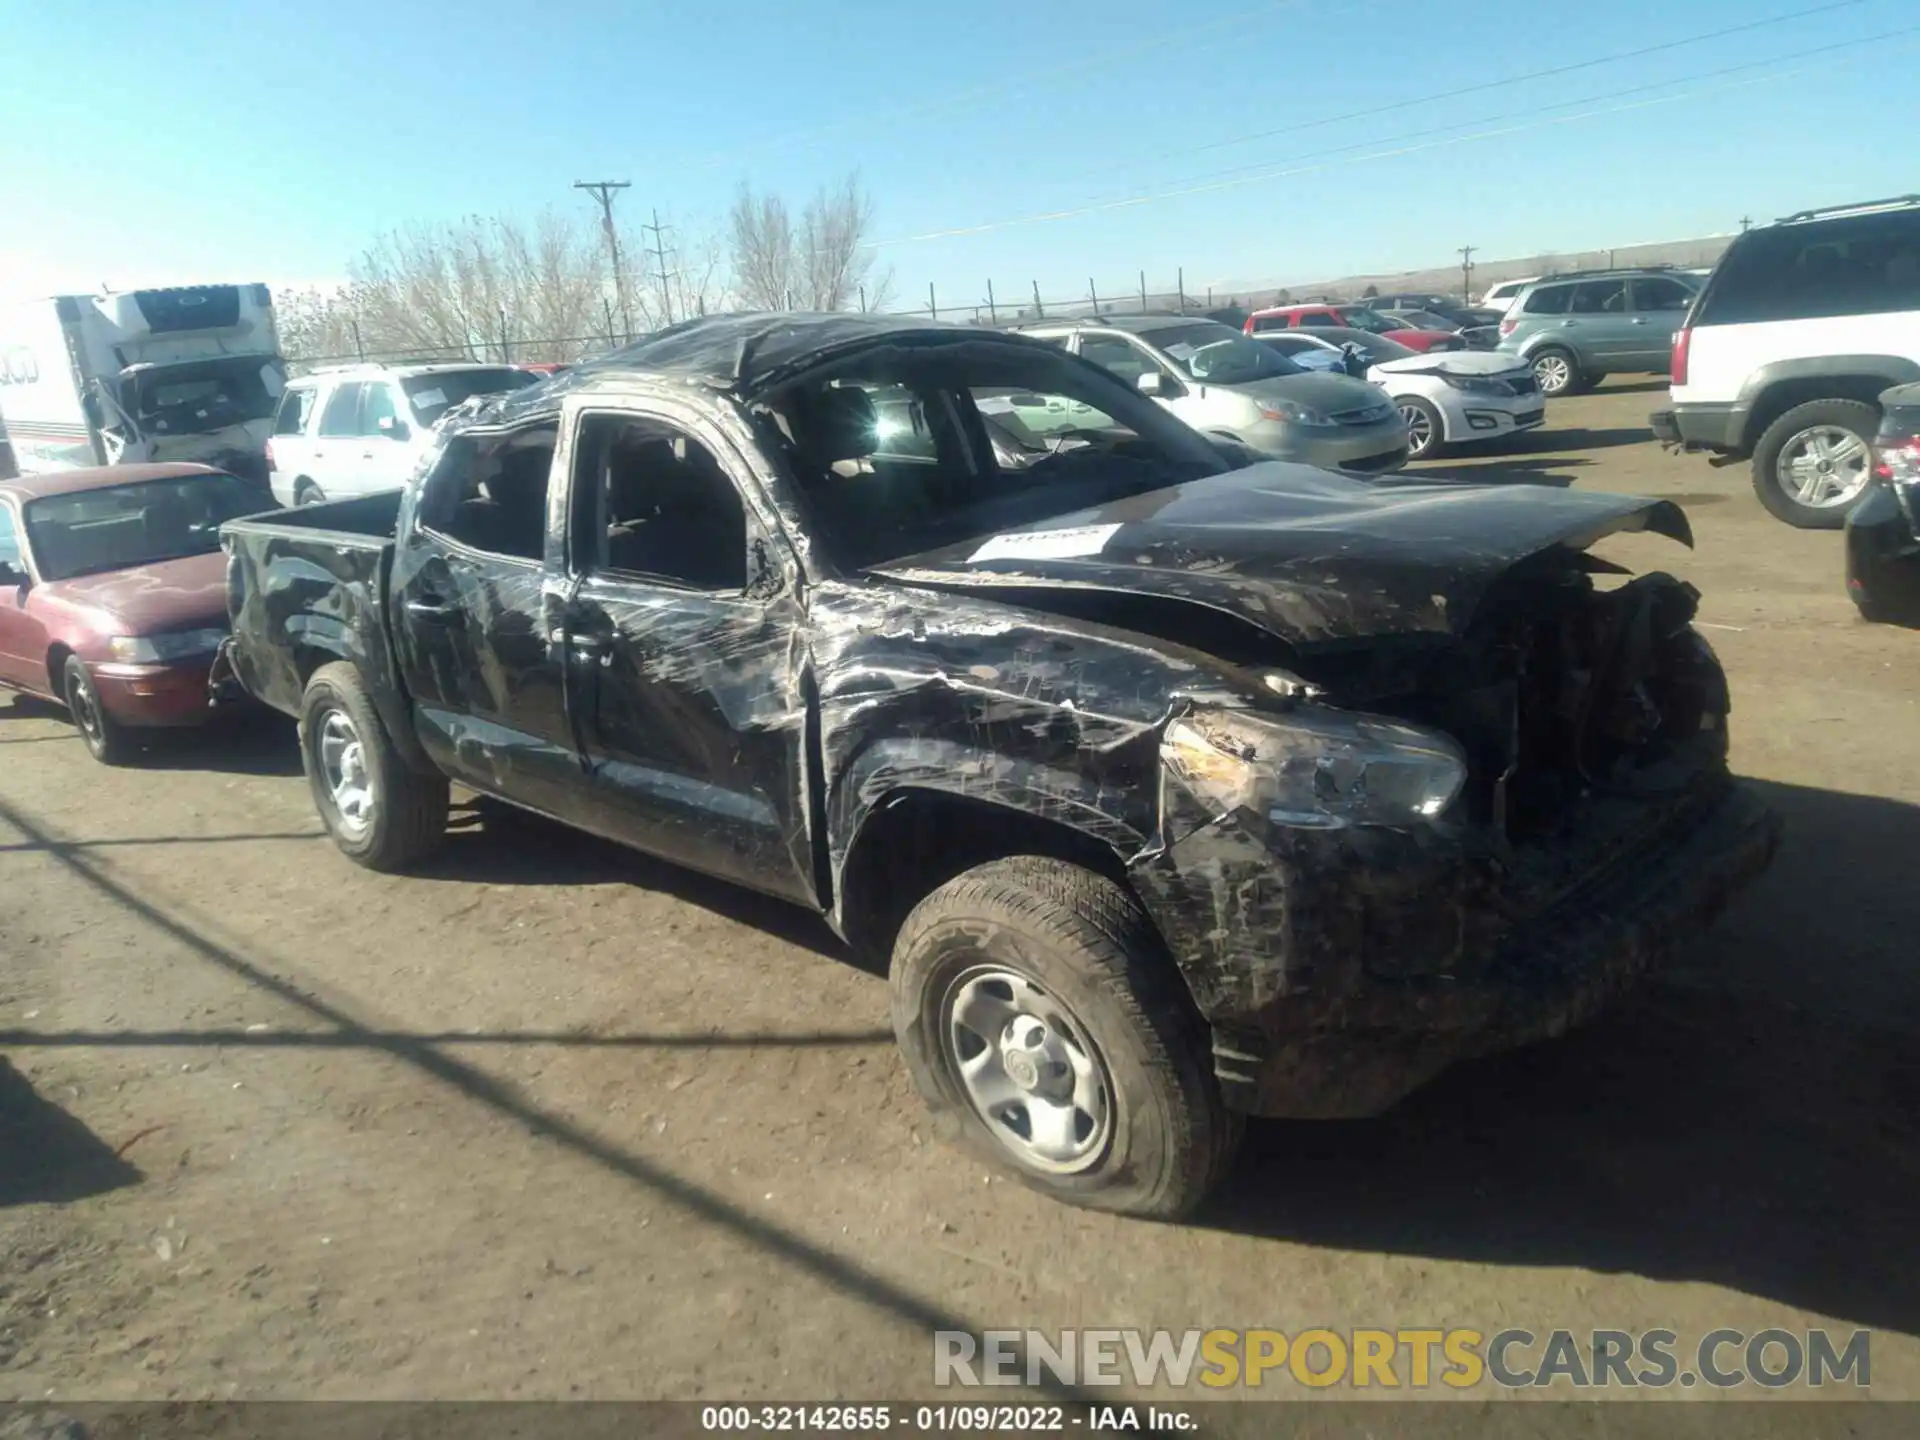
(1570, 693)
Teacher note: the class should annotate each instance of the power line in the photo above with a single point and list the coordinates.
(1484, 85)
(1295, 167)
(603, 190)
(1155, 45)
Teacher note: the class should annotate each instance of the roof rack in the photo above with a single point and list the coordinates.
(1609, 270)
(1858, 208)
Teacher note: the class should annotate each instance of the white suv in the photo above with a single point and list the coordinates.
(361, 428)
(1784, 354)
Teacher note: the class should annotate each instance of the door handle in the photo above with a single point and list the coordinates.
(1639, 320)
(1568, 324)
(366, 455)
(432, 609)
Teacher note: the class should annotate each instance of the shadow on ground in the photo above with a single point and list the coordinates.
(1499, 469)
(494, 844)
(47, 1156)
(256, 742)
(1636, 385)
(1726, 1127)
(1567, 442)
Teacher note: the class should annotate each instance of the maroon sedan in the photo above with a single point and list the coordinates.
(113, 593)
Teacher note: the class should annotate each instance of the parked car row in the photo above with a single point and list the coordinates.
(1087, 724)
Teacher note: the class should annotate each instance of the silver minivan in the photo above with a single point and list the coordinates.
(1225, 383)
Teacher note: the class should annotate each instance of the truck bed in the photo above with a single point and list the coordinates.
(308, 586)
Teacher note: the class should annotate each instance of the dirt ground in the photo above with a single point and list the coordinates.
(557, 1121)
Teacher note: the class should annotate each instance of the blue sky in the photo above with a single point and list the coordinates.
(226, 141)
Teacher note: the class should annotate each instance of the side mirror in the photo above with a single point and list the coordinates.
(394, 428)
(1150, 383)
(11, 575)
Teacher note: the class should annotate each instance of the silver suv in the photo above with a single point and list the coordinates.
(1229, 385)
(1577, 328)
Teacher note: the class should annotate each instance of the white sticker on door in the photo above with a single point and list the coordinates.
(1081, 540)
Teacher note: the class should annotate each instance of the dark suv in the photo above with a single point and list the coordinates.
(1577, 328)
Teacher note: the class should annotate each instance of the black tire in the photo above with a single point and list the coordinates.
(108, 741)
(1087, 945)
(1435, 428)
(1576, 378)
(1859, 419)
(405, 816)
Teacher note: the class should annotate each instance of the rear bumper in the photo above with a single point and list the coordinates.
(1317, 1035)
(1719, 428)
(1883, 553)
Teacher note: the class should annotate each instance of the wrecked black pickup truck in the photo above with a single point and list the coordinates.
(1173, 788)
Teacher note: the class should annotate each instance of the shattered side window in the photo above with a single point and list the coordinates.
(652, 503)
(489, 493)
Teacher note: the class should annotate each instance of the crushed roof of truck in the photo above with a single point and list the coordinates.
(740, 353)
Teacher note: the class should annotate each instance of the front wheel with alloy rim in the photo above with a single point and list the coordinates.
(1426, 432)
(1555, 372)
(1812, 465)
(380, 811)
(1044, 1024)
(107, 739)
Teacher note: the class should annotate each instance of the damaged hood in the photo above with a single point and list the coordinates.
(1454, 362)
(1305, 554)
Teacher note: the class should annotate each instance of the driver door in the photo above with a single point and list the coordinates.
(686, 655)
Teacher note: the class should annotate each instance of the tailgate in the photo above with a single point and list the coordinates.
(305, 587)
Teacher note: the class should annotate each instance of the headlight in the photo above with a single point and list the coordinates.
(1475, 384)
(1316, 768)
(1289, 413)
(159, 649)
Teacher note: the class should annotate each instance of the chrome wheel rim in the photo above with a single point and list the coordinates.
(1419, 430)
(1824, 467)
(1552, 373)
(85, 709)
(343, 768)
(1029, 1070)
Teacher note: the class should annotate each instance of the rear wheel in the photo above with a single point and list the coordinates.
(1556, 372)
(1426, 431)
(1811, 466)
(381, 812)
(305, 492)
(107, 739)
(1043, 1022)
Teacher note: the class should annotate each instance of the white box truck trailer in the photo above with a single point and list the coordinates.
(185, 373)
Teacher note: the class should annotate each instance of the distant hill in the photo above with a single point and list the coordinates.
(1445, 279)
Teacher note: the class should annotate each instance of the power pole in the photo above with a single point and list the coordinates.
(660, 257)
(1745, 221)
(1466, 272)
(602, 190)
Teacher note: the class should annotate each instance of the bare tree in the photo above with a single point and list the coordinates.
(760, 236)
(826, 262)
(477, 289)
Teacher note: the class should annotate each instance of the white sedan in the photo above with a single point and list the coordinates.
(1446, 397)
